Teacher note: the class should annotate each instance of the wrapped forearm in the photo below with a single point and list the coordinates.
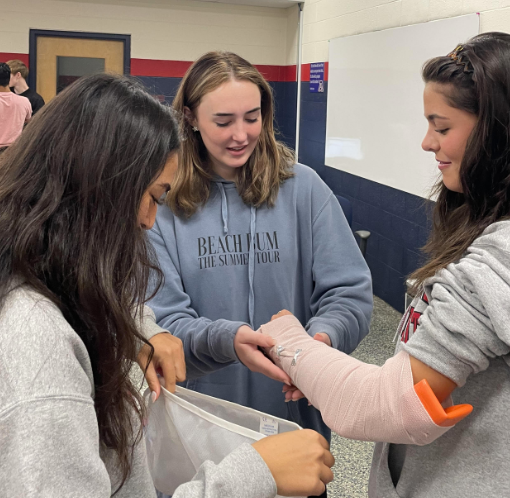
(356, 400)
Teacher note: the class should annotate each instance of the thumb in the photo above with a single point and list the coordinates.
(319, 337)
(261, 340)
(153, 382)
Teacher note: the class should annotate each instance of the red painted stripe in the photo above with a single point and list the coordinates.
(270, 73)
(162, 68)
(289, 73)
(177, 69)
(6, 56)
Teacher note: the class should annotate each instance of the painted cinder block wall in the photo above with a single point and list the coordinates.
(398, 220)
(166, 38)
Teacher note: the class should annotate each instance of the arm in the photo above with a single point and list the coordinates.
(208, 345)
(48, 426)
(342, 300)
(28, 111)
(296, 463)
(358, 400)
(51, 446)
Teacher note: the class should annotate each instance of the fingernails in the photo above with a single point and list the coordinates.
(287, 400)
(153, 396)
(288, 383)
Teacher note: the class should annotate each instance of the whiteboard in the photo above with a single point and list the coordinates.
(375, 123)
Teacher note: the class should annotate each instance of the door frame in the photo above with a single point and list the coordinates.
(35, 33)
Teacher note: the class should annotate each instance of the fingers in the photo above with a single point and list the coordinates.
(268, 368)
(153, 382)
(258, 339)
(294, 395)
(322, 441)
(323, 337)
(329, 459)
(326, 475)
(180, 366)
(280, 314)
(169, 375)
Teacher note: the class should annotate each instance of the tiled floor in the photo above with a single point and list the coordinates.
(353, 458)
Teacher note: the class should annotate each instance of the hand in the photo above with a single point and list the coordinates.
(168, 359)
(280, 314)
(247, 343)
(300, 462)
(323, 337)
(320, 336)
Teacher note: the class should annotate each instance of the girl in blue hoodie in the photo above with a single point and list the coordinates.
(246, 233)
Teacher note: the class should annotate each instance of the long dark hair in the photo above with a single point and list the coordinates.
(475, 78)
(70, 191)
(270, 164)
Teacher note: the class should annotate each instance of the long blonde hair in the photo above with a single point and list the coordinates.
(270, 164)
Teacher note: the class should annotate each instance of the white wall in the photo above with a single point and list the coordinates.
(326, 19)
(173, 30)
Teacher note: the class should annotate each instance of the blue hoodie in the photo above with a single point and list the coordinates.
(303, 258)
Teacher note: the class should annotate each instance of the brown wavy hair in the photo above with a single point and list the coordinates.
(270, 164)
(70, 192)
(474, 78)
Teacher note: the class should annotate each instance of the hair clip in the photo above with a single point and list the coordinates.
(454, 54)
(460, 60)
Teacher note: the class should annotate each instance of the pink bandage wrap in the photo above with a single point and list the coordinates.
(356, 400)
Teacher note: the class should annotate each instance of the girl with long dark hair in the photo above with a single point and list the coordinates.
(454, 339)
(77, 190)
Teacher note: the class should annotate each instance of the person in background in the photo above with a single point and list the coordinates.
(247, 232)
(453, 355)
(18, 82)
(15, 110)
(78, 191)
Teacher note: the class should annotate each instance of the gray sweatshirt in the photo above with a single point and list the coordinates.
(462, 326)
(49, 438)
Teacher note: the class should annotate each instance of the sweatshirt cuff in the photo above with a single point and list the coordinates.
(254, 477)
(147, 326)
(336, 338)
(224, 340)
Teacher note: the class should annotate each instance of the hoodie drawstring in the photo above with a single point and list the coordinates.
(251, 263)
(251, 248)
(224, 208)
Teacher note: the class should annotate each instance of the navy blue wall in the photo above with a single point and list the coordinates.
(285, 97)
(397, 220)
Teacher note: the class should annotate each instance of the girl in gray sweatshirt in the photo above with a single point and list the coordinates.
(453, 354)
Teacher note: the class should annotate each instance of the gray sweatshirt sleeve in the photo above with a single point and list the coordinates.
(466, 322)
(241, 474)
(208, 345)
(342, 299)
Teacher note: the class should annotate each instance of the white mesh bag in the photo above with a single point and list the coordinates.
(187, 428)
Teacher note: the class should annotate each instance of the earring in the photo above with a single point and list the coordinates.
(195, 128)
